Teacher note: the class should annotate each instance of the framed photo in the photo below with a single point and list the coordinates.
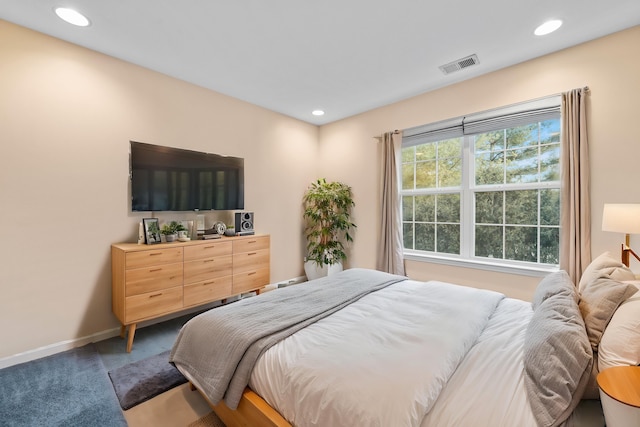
(151, 231)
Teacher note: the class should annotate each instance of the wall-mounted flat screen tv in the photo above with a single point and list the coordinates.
(173, 179)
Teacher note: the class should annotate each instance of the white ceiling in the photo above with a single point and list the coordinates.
(342, 56)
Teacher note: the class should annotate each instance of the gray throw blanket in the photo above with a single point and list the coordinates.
(218, 349)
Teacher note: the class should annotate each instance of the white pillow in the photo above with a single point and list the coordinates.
(620, 343)
(608, 265)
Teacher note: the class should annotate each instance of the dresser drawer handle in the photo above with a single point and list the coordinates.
(252, 241)
(155, 253)
(209, 260)
(251, 253)
(154, 270)
(209, 283)
(155, 295)
(209, 247)
(251, 274)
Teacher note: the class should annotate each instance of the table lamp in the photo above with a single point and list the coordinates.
(622, 218)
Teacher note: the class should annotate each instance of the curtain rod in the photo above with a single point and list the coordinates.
(585, 88)
(379, 137)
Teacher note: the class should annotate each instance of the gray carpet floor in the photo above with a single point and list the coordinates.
(73, 388)
(67, 389)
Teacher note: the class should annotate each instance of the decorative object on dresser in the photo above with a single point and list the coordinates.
(171, 229)
(152, 282)
(220, 227)
(620, 395)
(244, 223)
(151, 230)
(622, 218)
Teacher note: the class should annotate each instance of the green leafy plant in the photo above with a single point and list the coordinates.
(327, 213)
(172, 228)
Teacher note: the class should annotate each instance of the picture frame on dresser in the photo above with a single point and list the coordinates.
(151, 231)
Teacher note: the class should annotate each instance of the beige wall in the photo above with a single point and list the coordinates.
(605, 65)
(67, 114)
(66, 117)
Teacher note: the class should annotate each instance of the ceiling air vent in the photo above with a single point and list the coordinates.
(459, 64)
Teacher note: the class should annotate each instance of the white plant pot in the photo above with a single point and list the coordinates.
(313, 271)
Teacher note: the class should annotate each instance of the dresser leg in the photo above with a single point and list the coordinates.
(132, 332)
(123, 328)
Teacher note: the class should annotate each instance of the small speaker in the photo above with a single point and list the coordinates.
(244, 223)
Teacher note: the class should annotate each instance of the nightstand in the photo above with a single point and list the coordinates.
(620, 395)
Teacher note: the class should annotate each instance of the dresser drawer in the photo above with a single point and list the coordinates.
(251, 244)
(249, 261)
(152, 257)
(207, 250)
(207, 291)
(209, 268)
(152, 304)
(250, 280)
(142, 280)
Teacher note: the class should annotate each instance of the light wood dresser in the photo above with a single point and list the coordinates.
(150, 281)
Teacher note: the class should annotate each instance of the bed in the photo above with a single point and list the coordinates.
(367, 348)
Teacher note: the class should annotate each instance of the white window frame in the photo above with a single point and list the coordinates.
(465, 127)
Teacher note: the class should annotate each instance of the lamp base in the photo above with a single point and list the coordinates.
(626, 250)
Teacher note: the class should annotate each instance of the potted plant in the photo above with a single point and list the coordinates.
(170, 230)
(327, 215)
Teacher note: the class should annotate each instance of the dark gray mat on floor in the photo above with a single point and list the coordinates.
(67, 389)
(140, 381)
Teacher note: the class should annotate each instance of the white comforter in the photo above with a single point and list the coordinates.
(386, 359)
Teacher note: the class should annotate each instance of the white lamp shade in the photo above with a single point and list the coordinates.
(621, 218)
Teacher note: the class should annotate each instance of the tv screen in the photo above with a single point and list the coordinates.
(173, 179)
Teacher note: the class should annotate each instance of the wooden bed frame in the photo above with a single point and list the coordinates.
(252, 411)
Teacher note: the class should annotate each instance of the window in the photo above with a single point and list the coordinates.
(485, 187)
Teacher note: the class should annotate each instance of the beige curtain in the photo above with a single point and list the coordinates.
(575, 209)
(390, 252)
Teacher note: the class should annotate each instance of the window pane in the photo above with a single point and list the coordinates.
(522, 165)
(407, 235)
(449, 238)
(521, 243)
(426, 174)
(449, 208)
(521, 207)
(450, 148)
(408, 154)
(425, 237)
(407, 176)
(488, 241)
(550, 131)
(489, 168)
(426, 152)
(425, 208)
(489, 208)
(522, 136)
(491, 141)
(549, 245)
(550, 207)
(450, 172)
(550, 163)
(407, 208)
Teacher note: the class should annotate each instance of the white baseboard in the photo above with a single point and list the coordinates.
(58, 347)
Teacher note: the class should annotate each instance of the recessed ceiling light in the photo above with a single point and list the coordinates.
(72, 16)
(317, 113)
(548, 27)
